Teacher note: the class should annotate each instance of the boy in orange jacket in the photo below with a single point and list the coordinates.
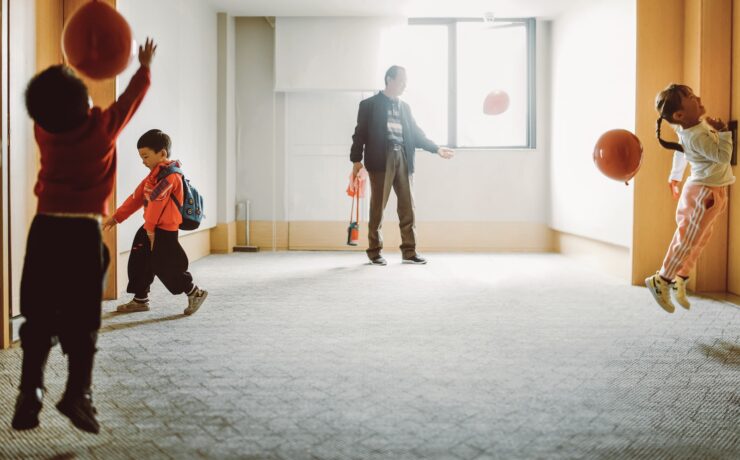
(156, 250)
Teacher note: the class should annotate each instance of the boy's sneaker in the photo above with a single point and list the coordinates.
(661, 291)
(80, 411)
(679, 292)
(27, 408)
(133, 306)
(195, 300)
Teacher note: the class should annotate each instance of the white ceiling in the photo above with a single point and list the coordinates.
(406, 8)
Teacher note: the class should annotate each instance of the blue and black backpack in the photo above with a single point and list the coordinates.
(192, 207)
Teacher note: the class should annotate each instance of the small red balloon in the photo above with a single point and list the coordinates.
(97, 41)
(618, 154)
(496, 103)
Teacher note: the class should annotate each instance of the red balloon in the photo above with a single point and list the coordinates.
(495, 103)
(97, 41)
(618, 154)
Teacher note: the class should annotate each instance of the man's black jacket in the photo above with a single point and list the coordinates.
(371, 134)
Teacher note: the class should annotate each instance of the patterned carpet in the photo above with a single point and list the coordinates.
(302, 355)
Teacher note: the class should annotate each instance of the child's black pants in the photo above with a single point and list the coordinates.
(167, 261)
(61, 294)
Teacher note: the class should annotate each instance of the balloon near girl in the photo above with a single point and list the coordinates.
(618, 154)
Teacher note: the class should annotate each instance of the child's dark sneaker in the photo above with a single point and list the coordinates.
(27, 408)
(80, 410)
(133, 305)
(195, 300)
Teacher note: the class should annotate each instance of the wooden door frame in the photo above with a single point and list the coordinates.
(5, 334)
(103, 94)
(701, 31)
(50, 18)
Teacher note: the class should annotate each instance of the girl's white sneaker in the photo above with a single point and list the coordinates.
(679, 292)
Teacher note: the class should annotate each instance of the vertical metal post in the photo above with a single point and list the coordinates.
(246, 214)
(245, 207)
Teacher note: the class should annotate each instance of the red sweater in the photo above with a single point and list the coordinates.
(160, 211)
(78, 167)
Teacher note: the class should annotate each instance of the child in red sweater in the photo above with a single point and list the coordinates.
(156, 250)
(65, 250)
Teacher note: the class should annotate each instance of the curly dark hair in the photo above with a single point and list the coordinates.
(57, 100)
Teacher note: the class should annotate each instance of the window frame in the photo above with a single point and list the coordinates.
(530, 31)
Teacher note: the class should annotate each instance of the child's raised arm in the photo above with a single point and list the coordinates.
(121, 111)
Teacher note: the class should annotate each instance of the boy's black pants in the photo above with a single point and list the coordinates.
(167, 261)
(61, 294)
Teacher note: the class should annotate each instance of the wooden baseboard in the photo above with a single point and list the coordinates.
(262, 233)
(606, 257)
(223, 238)
(433, 236)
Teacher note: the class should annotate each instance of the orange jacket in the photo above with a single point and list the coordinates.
(160, 211)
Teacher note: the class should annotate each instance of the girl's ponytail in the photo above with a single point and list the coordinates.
(666, 144)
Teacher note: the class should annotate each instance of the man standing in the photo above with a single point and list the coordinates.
(388, 135)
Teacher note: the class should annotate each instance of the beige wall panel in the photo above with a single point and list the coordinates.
(196, 244)
(432, 236)
(4, 227)
(49, 22)
(715, 73)
(660, 57)
(704, 29)
(733, 242)
(223, 238)
(306, 235)
(691, 40)
(103, 93)
(261, 234)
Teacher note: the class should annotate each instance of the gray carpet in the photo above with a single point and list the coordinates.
(300, 355)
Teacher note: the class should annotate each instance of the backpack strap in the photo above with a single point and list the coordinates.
(164, 172)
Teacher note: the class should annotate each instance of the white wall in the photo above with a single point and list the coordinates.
(260, 159)
(476, 186)
(182, 100)
(330, 53)
(23, 151)
(593, 90)
(226, 119)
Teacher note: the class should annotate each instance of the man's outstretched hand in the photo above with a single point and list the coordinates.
(445, 153)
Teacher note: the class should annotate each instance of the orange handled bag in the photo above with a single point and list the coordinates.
(353, 231)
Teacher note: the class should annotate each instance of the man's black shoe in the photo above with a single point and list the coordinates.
(80, 410)
(416, 260)
(378, 260)
(27, 408)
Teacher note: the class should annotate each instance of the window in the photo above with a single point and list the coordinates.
(453, 64)
(428, 73)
